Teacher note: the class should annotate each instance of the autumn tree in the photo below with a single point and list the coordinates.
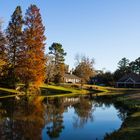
(32, 58)
(84, 68)
(57, 51)
(15, 41)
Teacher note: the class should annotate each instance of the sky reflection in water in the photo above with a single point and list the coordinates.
(73, 118)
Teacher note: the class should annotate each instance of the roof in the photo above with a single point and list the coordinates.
(71, 76)
(132, 76)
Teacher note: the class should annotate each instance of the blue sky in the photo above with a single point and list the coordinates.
(106, 30)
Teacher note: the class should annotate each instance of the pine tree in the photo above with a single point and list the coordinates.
(15, 41)
(32, 62)
(57, 51)
(3, 50)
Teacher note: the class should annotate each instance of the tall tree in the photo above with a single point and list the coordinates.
(3, 50)
(32, 62)
(84, 68)
(58, 53)
(15, 40)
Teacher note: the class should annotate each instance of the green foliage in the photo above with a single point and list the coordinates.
(126, 67)
(106, 79)
(58, 53)
(135, 66)
(3, 51)
(123, 63)
(14, 36)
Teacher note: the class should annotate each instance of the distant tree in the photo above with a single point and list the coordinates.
(133, 66)
(57, 51)
(123, 68)
(84, 68)
(50, 69)
(137, 61)
(136, 64)
(123, 64)
(15, 41)
(105, 78)
(32, 58)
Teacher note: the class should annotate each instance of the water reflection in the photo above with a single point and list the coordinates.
(21, 120)
(62, 118)
(84, 112)
(54, 117)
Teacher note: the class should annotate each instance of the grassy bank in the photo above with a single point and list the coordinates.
(64, 90)
(128, 99)
(53, 90)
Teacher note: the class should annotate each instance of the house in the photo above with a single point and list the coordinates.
(71, 78)
(129, 81)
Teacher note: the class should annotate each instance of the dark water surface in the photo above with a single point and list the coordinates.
(65, 118)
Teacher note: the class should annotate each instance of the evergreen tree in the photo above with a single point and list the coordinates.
(135, 66)
(3, 50)
(123, 64)
(58, 53)
(15, 41)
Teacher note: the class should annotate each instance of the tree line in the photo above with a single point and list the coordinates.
(22, 53)
(125, 66)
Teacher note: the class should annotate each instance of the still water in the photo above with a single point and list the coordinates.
(65, 118)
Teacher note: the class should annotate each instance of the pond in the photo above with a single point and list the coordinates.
(65, 118)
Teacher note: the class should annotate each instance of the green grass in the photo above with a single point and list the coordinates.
(9, 90)
(48, 91)
(9, 93)
(58, 91)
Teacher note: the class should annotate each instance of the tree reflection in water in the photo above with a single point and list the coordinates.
(21, 120)
(84, 111)
(25, 120)
(54, 117)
